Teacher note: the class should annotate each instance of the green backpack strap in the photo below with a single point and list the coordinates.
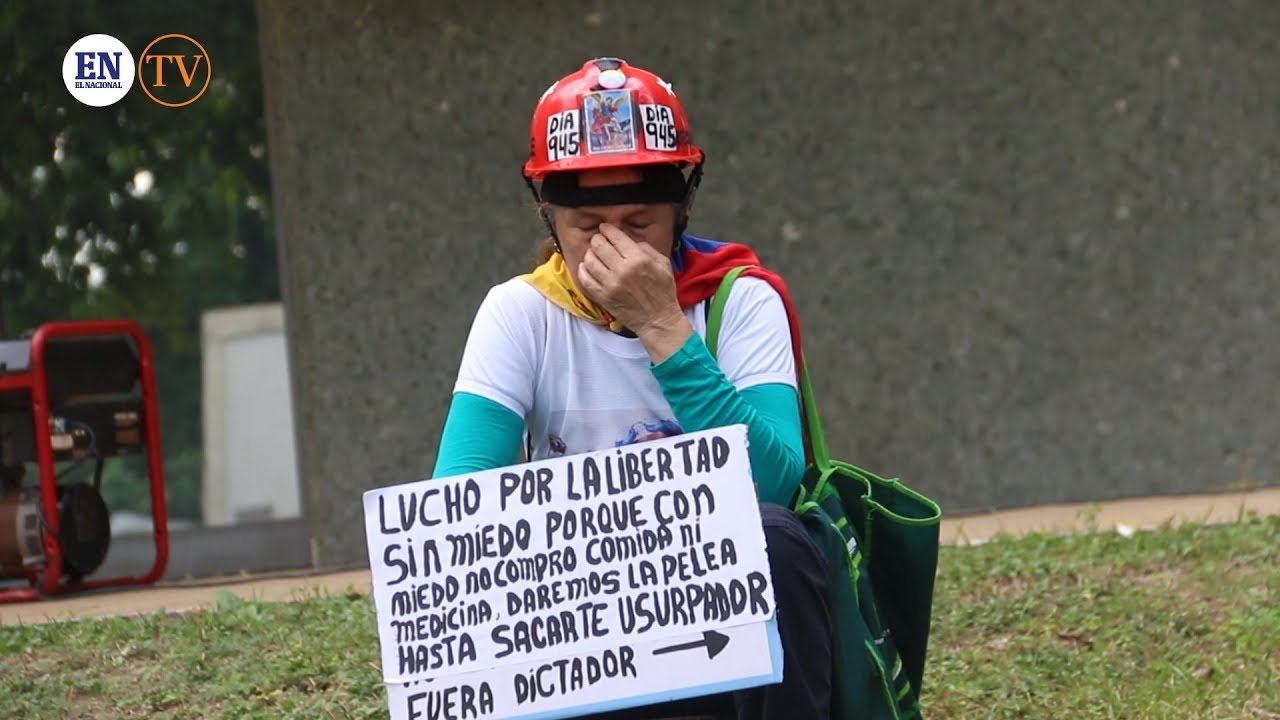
(816, 438)
(716, 314)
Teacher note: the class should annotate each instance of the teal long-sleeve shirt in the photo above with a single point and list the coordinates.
(480, 434)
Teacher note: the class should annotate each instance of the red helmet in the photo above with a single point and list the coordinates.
(608, 114)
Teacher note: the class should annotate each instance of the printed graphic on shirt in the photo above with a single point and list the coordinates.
(649, 430)
(579, 431)
(556, 445)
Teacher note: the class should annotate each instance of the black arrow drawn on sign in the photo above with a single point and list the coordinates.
(713, 641)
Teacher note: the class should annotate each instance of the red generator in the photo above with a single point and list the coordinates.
(70, 394)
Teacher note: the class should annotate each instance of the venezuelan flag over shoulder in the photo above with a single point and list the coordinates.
(699, 267)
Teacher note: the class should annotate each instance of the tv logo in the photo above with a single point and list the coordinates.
(174, 70)
(98, 70)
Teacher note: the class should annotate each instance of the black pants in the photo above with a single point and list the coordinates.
(800, 591)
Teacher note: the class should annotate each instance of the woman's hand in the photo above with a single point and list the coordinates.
(636, 285)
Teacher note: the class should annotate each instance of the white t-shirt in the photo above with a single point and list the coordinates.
(580, 387)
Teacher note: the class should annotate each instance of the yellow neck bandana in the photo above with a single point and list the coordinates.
(553, 279)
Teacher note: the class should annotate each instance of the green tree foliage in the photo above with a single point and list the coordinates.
(82, 238)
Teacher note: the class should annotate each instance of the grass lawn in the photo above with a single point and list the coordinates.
(1179, 623)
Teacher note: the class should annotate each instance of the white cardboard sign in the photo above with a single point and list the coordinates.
(619, 677)
(642, 569)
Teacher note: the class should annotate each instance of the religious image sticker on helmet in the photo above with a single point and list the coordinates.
(609, 121)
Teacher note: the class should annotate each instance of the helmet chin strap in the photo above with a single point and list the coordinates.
(686, 206)
(544, 212)
(691, 189)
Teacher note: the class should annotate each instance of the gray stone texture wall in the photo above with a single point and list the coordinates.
(1035, 245)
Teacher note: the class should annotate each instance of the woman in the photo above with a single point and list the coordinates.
(602, 344)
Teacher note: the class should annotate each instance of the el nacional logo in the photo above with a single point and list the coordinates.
(98, 70)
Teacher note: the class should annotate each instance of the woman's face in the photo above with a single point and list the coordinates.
(652, 223)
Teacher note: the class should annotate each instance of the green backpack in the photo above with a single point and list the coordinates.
(880, 540)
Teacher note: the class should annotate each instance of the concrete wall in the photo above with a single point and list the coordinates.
(1034, 245)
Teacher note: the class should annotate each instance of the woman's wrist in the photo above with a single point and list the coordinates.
(665, 335)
